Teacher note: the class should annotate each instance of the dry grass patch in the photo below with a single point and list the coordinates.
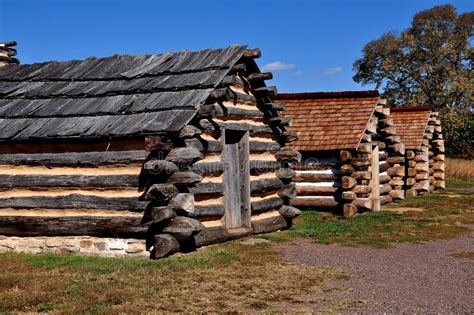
(230, 277)
(465, 255)
(460, 169)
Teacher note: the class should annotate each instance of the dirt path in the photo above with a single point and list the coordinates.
(407, 278)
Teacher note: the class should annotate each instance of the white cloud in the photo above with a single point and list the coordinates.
(330, 71)
(299, 72)
(278, 66)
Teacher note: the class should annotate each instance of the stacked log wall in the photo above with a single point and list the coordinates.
(187, 202)
(356, 179)
(172, 193)
(88, 196)
(359, 193)
(318, 181)
(436, 153)
(391, 157)
(425, 164)
(344, 179)
(417, 171)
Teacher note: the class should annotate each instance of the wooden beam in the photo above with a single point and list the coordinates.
(266, 205)
(315, 177)
(252, 53)
(274, 106)
(69, 181)
(289, 212)
(260, 76)
(317, 202)
(75, 159)
(161, 192)
(216, 168)
(302, 190)
(266, 90)
(156, 167)
(75, 201)
(269, 225)
(126, 227)
(184, 156)
(153, 143)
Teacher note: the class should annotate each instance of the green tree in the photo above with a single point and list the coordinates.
(429, 63)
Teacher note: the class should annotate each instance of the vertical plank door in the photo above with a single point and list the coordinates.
(236, 179)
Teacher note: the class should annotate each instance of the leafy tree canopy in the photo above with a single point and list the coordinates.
(430, 63)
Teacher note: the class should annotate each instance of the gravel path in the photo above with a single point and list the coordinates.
(407, 278)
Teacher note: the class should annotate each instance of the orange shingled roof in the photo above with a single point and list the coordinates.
(411, 123)
(329, 120)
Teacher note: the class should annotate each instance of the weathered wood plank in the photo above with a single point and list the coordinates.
(302, 190)
(265, 205)
(74, 201)
(317, 202)
(315, 177)
(270, 224)
(216, 168)
(215, 146)
(73, 226)
(75, 159)
(261, 186)
(69, 181)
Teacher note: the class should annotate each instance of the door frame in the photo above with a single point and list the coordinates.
(375, 181)
(236, 178)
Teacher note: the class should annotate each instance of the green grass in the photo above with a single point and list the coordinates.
(459, 183)
(104, 265)
(444, 217)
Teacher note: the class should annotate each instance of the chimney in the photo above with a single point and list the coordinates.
(7, 53)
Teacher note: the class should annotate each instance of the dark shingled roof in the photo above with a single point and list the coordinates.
(117, 96)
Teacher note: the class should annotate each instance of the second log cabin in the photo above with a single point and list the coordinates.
(352, 158)
(420, 129)
(173, 151)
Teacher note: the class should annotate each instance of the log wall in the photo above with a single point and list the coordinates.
(436, 153)
(318, 181)
(391, 157)
(354, 180)
(186, 186)
(425, 165)
(172, 194)
(72, 193)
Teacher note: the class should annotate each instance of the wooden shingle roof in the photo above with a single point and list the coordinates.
(117, 96)
(329, 120)
(411, 122)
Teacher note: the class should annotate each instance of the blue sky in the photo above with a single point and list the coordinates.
(308, 45)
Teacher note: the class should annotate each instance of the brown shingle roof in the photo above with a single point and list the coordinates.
(329, 120)
(410, 122)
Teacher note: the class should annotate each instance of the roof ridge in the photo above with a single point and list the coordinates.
(134, 55)
(323, 95)
(411, 108)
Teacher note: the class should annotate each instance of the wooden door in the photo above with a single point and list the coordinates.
(375, 182)
(236, 179)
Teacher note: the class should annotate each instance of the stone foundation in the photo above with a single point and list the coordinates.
(78, 245)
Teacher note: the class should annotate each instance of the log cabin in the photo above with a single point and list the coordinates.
(352, 158)
(136, 154)
(420, 129)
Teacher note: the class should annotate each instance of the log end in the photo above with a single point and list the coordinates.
(289, 212)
